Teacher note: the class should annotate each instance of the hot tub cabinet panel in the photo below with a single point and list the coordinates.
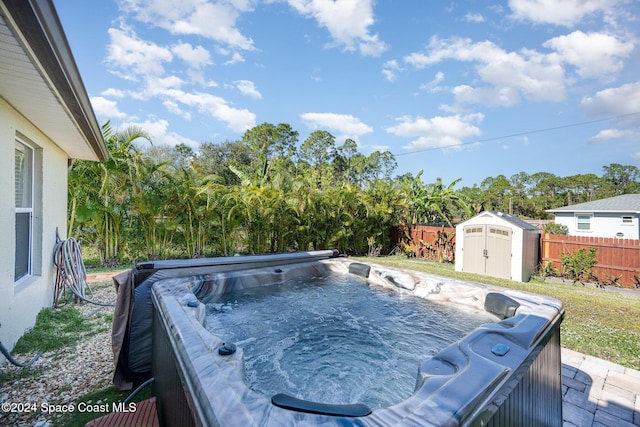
(502, 374)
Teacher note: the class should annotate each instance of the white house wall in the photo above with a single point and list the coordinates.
(19, 304)
(602, 225)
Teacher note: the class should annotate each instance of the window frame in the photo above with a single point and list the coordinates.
(580, 219)
(24, 207)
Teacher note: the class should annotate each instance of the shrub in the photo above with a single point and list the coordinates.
(547, 270)
(577, 265)
(554, 228)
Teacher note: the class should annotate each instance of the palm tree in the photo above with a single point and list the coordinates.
(433, 203)
(148, 210)
(443, 202)
(102, 211)
(385, 204)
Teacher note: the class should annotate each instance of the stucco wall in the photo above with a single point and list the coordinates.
(20, 303)
(602, 225)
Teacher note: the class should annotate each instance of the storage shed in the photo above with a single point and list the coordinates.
(497, 244)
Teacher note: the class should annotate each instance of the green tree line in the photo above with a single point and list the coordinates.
(529, 196)
(269, 192)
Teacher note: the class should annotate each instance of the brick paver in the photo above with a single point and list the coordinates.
(598, 393)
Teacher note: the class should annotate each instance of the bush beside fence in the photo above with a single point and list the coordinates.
(618, 259)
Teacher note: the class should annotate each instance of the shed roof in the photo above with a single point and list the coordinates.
(39, 78)
(520, 223)
(627, 203)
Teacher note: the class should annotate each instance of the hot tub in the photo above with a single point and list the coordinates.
(506, 372)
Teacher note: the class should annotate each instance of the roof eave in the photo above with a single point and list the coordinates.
(615, 211)
(38, 25)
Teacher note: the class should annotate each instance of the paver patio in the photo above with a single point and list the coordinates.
(598, 393)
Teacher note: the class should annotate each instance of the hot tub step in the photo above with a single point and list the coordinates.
(146, 415)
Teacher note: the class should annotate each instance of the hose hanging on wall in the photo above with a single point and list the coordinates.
(71, 273)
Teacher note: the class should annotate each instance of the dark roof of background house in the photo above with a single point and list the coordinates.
(627, 203)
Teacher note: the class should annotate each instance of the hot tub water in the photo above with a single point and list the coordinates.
(335, 339)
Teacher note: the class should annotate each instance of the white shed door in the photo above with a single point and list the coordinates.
(473, 260)
(487, 250)
(498, 252)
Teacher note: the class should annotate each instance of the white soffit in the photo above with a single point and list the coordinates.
(27, 87)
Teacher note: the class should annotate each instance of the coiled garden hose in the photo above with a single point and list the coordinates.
(71, 273)
(13, 361)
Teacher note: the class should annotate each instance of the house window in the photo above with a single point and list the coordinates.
(24, 179)
(584, 222)
(627, 220)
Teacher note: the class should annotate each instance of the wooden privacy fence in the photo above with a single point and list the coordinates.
(433, 242)
(616, 257)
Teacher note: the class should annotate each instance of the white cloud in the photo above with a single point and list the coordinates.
(197, 57)
(134, 56)
(434, 85)
(614, 101)
(236, 58)
(461, 49)
(162, 84)
(346, 125)
(157, 129)
(474, 17)
(506, 78)
(607, 135)
(595, 55)
(174, 108)
(209, 19)
(558, 12)
(389, 69)
(135, 59)
(238, 120)
(502, 96)
(528, 73)
(106, 108)
(247, 87)
(347, 21)
(113, 92)
(371, 45)
(621, 102)
(437, 131)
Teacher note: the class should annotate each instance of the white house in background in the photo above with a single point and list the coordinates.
(45, 120)
(617, 217)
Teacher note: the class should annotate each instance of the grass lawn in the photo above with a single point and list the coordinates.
(599, 322)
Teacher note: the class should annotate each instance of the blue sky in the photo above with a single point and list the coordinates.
(458, 89)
